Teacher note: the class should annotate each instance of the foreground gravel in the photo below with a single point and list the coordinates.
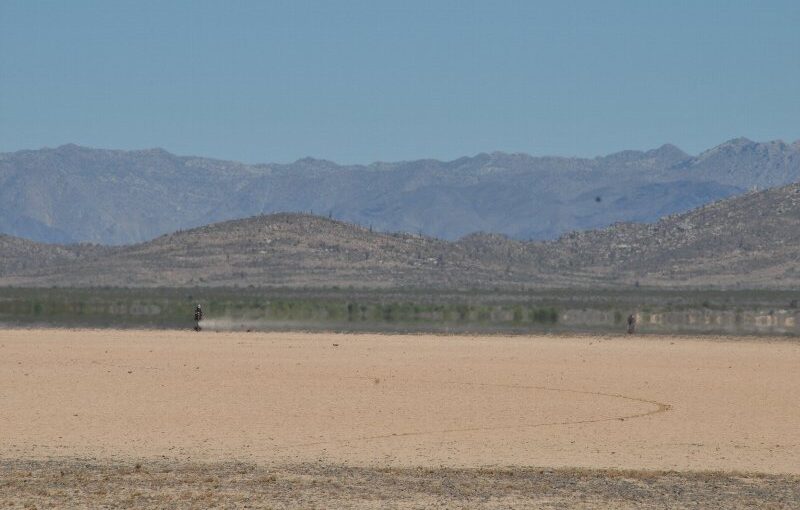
(162, 484)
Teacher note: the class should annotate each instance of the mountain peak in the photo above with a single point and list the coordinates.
(666, 154)
(308, 161)
(733, 145)
(71, 147)
(668, 148)
(736, 143)
(156, 151)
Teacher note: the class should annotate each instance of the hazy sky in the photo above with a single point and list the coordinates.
(359, 81)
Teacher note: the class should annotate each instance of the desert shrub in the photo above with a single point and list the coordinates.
(544, 315)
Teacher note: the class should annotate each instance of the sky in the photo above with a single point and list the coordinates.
(364, 81)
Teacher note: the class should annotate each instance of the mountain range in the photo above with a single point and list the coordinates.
(74, 194)
(750, 241)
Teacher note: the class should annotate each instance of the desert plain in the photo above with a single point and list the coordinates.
(167, 419)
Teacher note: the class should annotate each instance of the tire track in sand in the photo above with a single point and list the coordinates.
(659, 407)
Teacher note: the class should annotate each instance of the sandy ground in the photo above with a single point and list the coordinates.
(657, 403)
(397, 402)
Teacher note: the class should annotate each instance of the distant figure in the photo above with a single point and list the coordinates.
(631, 324)
(198, 316)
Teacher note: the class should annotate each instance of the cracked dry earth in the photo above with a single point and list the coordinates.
(171, 419)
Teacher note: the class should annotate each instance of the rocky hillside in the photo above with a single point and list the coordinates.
(19, 255)
(76, 194)
(752, 241)
(278, 249)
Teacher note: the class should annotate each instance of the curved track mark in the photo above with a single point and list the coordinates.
(660, 407)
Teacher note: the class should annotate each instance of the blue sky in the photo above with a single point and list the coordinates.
(360, 81)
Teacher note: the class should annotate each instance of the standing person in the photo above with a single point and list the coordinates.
(198, 316)
(631, 324)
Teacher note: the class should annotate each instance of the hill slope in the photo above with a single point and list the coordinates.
(278, 249)
(752, 241)
(20, 256)
(75, 194)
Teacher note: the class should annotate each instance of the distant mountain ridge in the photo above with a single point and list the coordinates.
(749, 241)
(76, 194)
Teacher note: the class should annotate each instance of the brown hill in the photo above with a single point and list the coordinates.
(278, 249)
(21, 256)
(752, 241)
